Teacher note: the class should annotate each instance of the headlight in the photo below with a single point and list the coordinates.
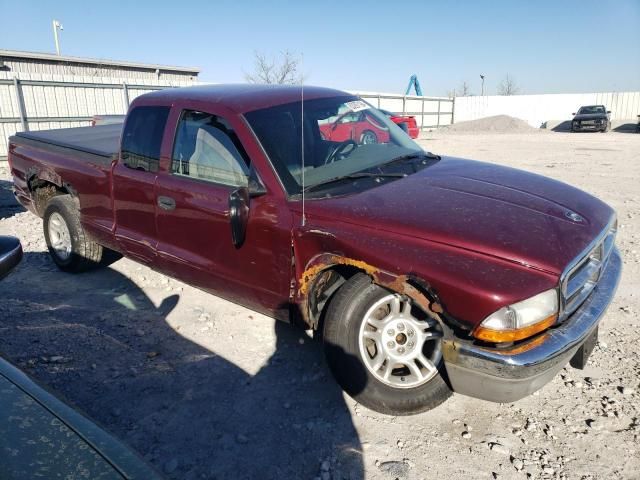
(520, 320)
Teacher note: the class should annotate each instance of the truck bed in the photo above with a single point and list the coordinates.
(98, 144)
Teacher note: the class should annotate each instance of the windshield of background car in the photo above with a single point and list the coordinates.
(342, 136)
(591, 110)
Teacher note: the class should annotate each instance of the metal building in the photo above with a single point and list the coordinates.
(15, 63)
(41, 90)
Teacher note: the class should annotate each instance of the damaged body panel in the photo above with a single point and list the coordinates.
(465, 282)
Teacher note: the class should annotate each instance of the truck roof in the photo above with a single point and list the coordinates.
(245, 97)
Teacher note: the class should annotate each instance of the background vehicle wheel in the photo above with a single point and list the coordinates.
(383, 351)
(68, 245)
(368, 137)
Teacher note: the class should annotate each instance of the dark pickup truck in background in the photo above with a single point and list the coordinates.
(591, 118)
(423, 274)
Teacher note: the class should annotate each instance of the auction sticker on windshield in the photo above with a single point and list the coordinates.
(356, 105)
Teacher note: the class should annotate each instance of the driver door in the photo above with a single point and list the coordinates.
(208, 163)
(344, 128)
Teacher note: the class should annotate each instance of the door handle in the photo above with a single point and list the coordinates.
(166, 203)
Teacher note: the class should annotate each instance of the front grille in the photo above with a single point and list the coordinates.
(588, 122)
(582, 275)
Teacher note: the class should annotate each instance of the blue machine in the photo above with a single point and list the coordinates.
(415, 83)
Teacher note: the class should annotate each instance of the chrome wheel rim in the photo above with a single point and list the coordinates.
(59, 236)
(399, 349)
(368, 138)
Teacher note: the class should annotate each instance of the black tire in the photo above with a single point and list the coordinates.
(368, 134)
(85, 254)
(341, 329)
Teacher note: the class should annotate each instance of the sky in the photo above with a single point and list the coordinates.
(553, 46)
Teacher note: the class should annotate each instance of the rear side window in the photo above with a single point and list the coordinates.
(207, 148)
(142, 138)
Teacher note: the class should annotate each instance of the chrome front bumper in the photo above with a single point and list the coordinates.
(511, 374)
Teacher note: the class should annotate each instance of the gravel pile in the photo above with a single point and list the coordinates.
(495, 124)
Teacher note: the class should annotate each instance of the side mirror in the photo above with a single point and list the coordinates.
(608, 111)
(239, 202)
(10, 255)
(574, 113)
(239, 214)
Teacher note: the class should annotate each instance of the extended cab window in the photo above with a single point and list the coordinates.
(142, 138)
(207, 148)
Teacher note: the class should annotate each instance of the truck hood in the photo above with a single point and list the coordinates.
(486, 208)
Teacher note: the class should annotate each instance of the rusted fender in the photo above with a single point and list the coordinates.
(402, 284)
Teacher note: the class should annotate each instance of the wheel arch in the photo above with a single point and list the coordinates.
(325, 273)
(45, 185)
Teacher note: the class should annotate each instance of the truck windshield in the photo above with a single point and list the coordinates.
(340, 136)
(591, 110)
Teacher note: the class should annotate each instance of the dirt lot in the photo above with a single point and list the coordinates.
(203, 388)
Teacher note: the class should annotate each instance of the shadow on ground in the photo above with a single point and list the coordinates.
(564, 126)
(627, 128)
(8, 204)
(187, 410)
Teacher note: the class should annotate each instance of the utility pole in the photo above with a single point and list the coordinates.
(482, 77)
(57, 26)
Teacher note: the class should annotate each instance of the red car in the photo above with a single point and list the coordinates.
(358, 126)
(422, 274)
(406, 122)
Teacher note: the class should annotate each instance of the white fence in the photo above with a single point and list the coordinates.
(551, 109)
(430, 112)
(39, 102)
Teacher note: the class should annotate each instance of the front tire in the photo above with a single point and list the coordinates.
(383, 351)
(67, 242)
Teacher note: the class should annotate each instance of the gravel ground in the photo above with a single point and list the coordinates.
(203, 388)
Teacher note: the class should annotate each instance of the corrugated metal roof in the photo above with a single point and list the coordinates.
(50, 57)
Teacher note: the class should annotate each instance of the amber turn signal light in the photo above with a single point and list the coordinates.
(500, 336)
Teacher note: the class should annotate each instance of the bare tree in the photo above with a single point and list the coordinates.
(464, 90)
(508, 86)
(282, 70)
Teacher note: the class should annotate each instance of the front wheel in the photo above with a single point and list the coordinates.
(383, 351)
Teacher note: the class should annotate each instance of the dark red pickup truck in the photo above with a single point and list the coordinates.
(424, 274)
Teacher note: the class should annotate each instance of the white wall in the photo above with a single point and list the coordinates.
(537, 109)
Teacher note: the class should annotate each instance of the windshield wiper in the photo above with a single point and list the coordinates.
(354, 176)
(412, 156)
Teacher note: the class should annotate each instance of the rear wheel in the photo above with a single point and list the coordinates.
(67, 242)
(384, 351)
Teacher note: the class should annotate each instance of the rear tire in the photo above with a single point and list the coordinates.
(68, 245)
(346, 329)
